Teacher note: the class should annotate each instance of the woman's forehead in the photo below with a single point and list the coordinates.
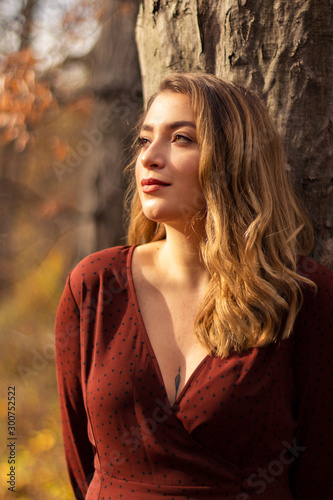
(169, 107)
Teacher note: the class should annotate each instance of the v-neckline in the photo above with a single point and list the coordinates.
(148, 342)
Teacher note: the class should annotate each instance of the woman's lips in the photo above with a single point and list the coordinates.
(149, 188)
(150, 185)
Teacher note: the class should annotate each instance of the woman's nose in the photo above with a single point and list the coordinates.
(153, 156)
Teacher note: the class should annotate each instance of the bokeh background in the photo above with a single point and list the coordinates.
(73, 78)
(49, 143)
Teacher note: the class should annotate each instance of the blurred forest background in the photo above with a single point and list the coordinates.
(73, 77)
(49, 140)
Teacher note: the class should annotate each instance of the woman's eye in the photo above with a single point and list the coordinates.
(142, 141)
(181, 138)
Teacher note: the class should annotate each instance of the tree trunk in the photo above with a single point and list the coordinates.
(284, 50)
(116, 84)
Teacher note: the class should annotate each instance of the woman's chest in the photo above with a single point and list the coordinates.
(168, 319)
(235, 405)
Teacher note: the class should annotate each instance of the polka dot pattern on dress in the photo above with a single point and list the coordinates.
(255, 425)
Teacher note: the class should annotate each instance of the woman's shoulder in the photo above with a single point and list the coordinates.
(110, 261)
(321, 276)
(313, 376)
(314, 323)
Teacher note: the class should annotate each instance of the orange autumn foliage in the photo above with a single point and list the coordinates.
(24, 99)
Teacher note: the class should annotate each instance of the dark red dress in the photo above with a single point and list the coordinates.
(257, 425)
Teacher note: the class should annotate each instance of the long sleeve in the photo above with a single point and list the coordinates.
(313, 364)
(78, 449)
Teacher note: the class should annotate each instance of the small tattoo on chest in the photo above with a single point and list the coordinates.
(177, 382)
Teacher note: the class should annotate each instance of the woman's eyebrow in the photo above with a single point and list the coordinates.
(170, 126)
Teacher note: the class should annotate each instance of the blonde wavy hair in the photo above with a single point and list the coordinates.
(255, 226)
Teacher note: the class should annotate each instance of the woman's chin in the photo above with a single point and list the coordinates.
(159, 213)
(157, 217)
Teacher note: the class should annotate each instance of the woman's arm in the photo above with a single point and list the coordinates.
(313, 363)
(78, 449)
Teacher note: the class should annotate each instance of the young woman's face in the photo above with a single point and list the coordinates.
(167, 169)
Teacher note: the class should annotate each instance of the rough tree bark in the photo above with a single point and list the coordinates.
(116, 85)
(283, 49)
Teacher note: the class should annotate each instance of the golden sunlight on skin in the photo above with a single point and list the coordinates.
(168, 165)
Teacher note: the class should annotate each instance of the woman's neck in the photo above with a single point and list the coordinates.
(178, 257)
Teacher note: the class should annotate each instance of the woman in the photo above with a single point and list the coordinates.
(196, 361)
